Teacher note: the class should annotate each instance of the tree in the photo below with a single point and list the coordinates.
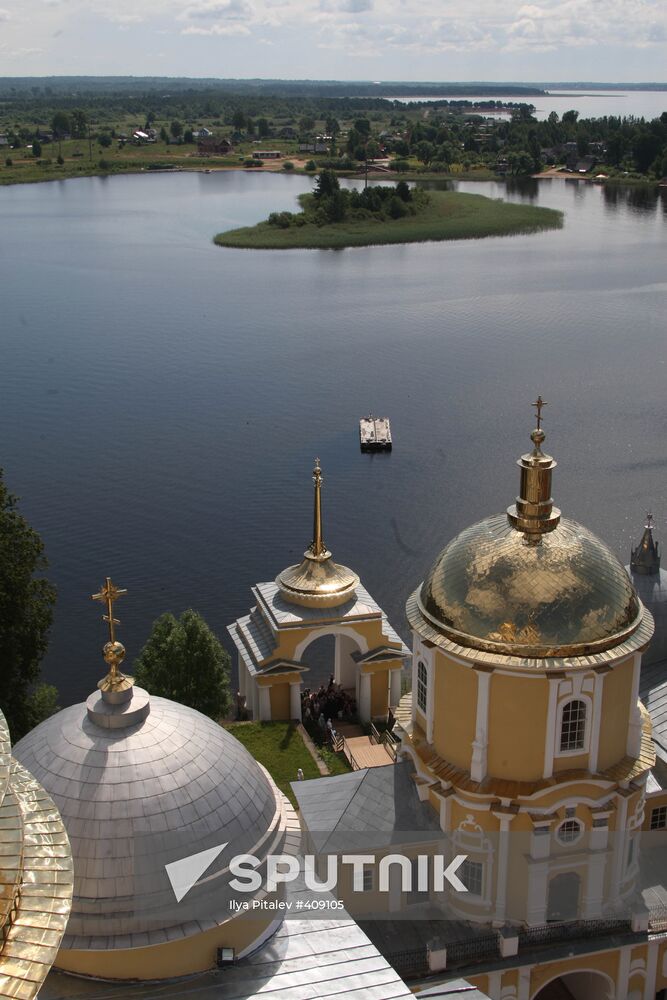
(26, 612)
(184, 661)
(327, 184)
(36, 149)
(163, 134)
(263, 128)
(176, 129)
(79, 123)
(238, 120)
(60, 124)
(105, 140)
(188, 136)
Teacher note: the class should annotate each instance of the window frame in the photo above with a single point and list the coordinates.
(578, 751)
(479, 867)
(422, 687)
(661, 822)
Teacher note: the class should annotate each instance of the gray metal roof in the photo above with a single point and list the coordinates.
(312, 959)
(653, 692)
(133, 800)
(380, 803)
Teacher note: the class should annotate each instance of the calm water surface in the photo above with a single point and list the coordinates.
(590, 103)
(163, 399)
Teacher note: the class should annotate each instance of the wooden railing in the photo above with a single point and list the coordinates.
(340, 745)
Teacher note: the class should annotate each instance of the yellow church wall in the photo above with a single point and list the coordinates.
(166, 961)
(517, 723)
(654, 801)
(280, 701)
(661, 978)
(605, 962)
(288, 640)
(379, 693)
(454, 710)
(615, 715)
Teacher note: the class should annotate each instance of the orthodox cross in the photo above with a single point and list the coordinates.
(109, 594)
(539, 403)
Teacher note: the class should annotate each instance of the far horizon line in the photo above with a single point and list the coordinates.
(343, 80)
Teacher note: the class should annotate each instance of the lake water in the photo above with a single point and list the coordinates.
(163, 399)
(590, 103)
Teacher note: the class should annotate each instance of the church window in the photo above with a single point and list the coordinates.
(659, 818)
(422, 686)
(569, 831)
(573, 726)
(471, 874)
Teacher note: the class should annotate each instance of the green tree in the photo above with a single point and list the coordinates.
(26, 612)
(327, 184)
(184, 661)
(263, 128)
(79, 123)
(176, 129)
(105, 140)
(36, 149)
(60, 124)
(238, 120)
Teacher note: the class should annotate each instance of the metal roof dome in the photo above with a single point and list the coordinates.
(566, 595)
(138, 797)
(529, 583)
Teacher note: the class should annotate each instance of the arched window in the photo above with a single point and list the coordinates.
(422, 686)
(573, 726)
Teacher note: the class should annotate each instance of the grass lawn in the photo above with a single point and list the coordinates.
(280, 748)
(448, 215)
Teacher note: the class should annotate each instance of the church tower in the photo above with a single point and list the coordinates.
(525, 725)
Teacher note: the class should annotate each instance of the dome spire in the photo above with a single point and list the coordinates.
(119, 703)
(114, 651)
(645, 559)
(534, 513)
(317, 581)
(317, 547)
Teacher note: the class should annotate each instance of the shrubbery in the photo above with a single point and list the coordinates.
(330, 204)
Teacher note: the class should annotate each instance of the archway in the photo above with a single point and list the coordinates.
(563, 900)
(585, 985)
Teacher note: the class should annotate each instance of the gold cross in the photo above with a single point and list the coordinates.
(109, 594)
(539, 403)
(649, 519)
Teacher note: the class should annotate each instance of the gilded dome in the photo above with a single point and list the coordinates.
(493, 589)
(529, 583)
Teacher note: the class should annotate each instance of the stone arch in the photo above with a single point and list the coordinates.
(347, 642)
(583, 984)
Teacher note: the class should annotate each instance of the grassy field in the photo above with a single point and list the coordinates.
(449, 215)
(280, 748)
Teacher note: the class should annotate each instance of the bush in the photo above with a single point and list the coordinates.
(400, 166)
(249, 162)
(37, 149)
(288, 165)
(9, 162)
(311, 165)
(104, 164)
(397, 208)
(105, 140)
(281, 219)
(60, 160)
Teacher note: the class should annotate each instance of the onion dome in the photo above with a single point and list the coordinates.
(141, 783)
(529, 583)
(317, 581)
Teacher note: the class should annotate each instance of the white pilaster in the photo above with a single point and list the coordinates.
(495, 982)
(623, 974)
(481, 741)
(243, 674)
(430, 670)
(505, 820)
(536, 907)
(635, 726)
(295, 700)
(596, 720)
(619, 845)
(365, 697)
(264, 704)
(652, 950)
(394, 687)
(523, 992)
(254, 691)
(550, 733)
(594, 886)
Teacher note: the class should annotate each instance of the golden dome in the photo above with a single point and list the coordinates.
(529, 583)
(317, 581)
(493, 590)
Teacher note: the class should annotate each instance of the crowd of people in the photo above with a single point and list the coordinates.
(327, 706)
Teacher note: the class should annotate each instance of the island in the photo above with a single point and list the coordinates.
(333, 217)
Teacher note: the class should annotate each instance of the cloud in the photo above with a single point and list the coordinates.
(218, 17)
(5, 15)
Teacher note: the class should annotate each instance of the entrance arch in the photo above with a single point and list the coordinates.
(587, 984)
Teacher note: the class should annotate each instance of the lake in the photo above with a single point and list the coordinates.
(589, 103)
(163, 399)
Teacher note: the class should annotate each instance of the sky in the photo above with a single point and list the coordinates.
(588, 40)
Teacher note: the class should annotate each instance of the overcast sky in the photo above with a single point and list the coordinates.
(610, 40)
